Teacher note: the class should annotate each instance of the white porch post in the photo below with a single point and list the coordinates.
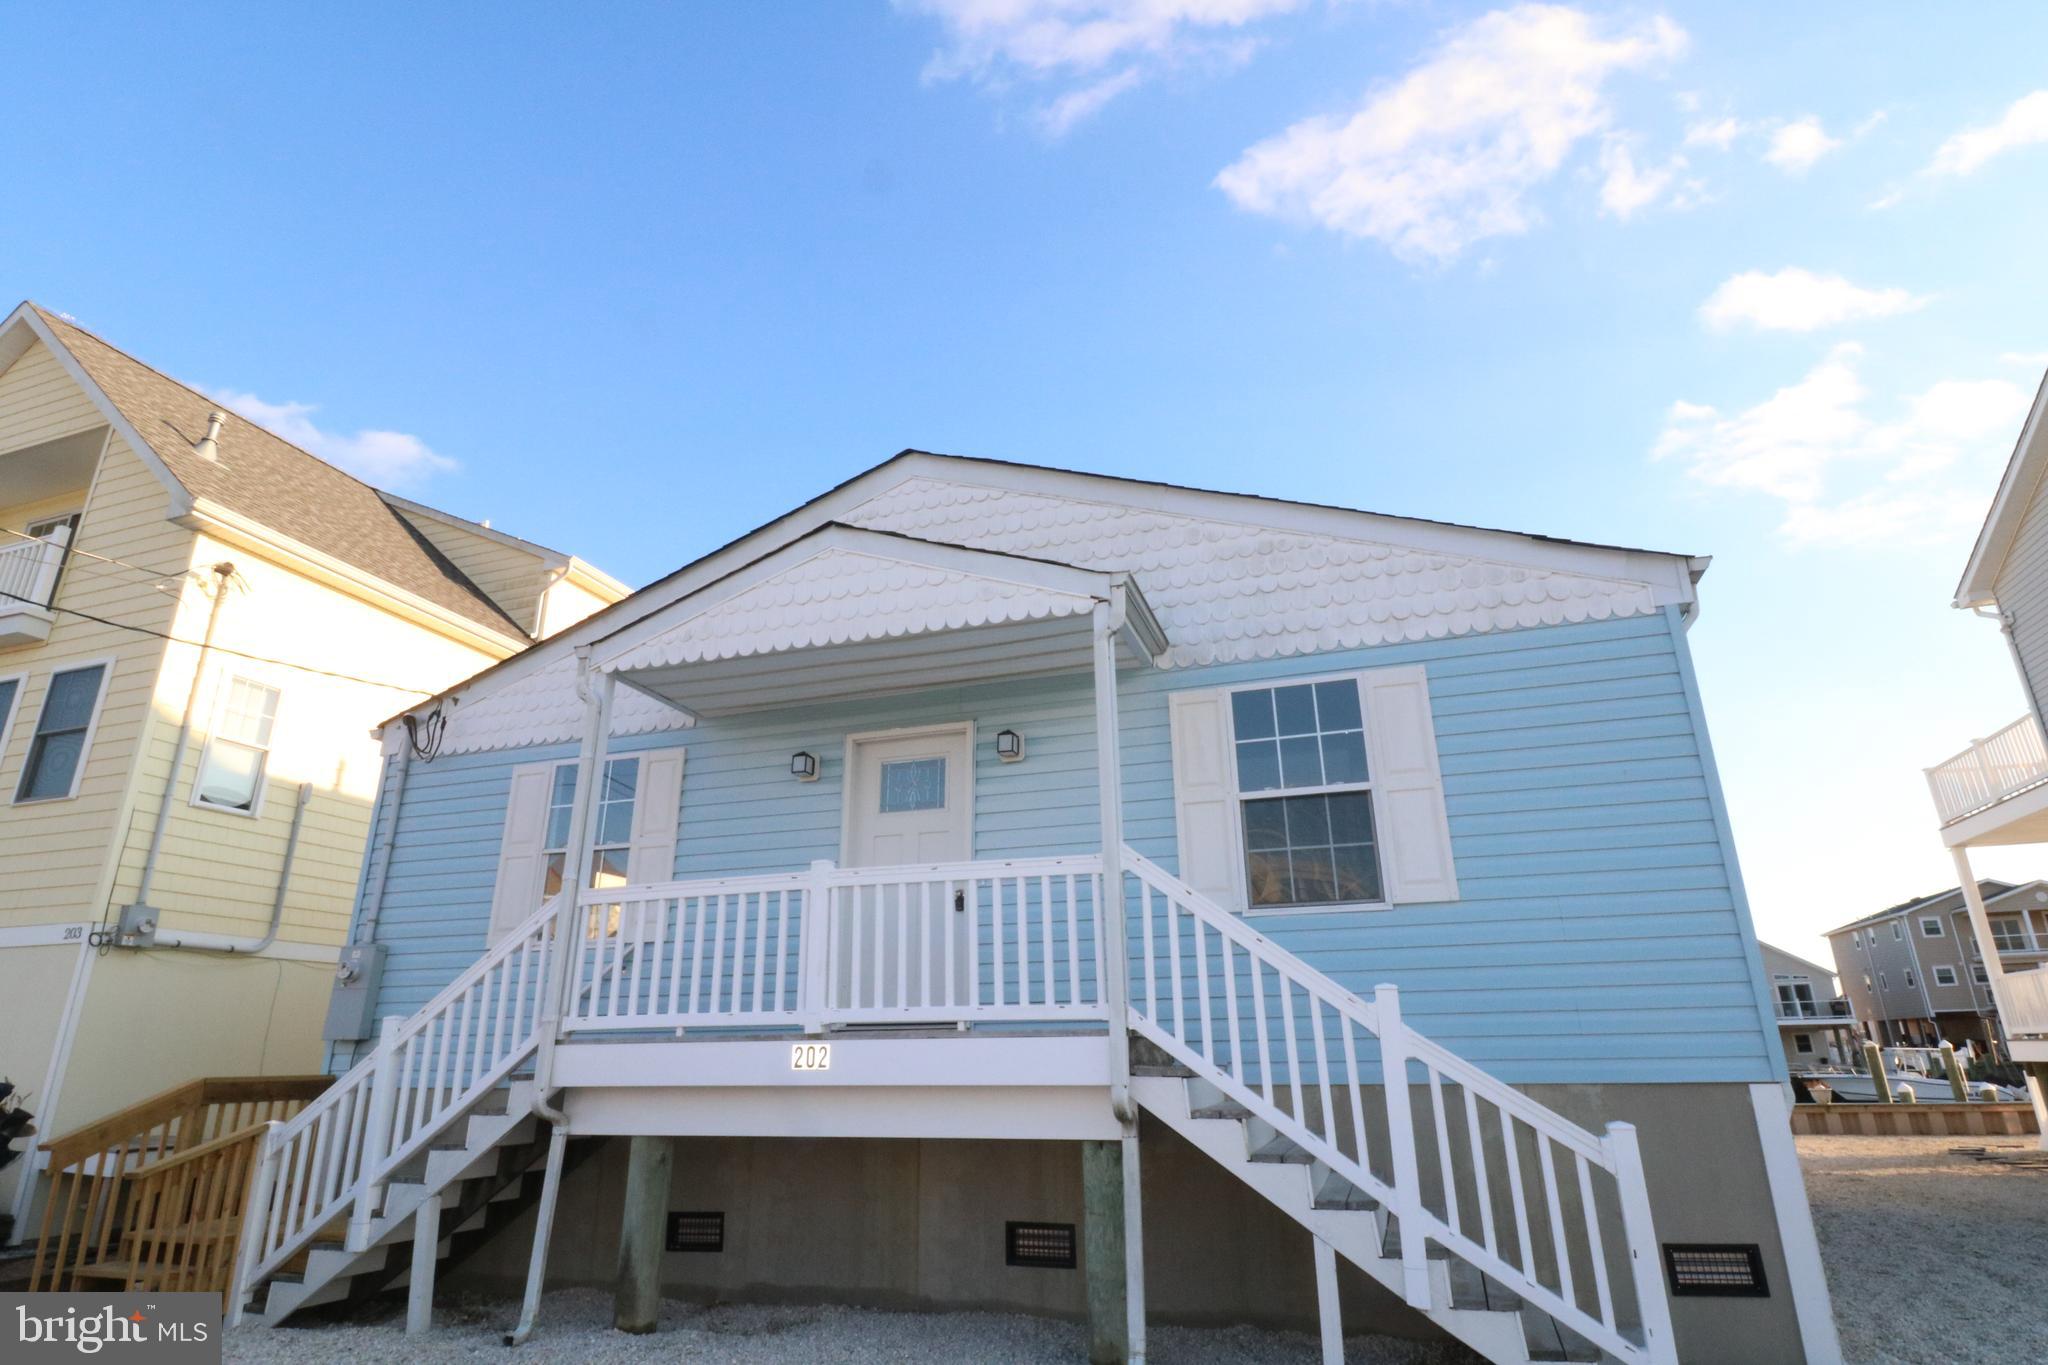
(1109, 776)
(1980, 925)
(1107, 620)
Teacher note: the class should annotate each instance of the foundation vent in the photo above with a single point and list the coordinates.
(1723, 1270)
(696, 1232)
(1039, 1246)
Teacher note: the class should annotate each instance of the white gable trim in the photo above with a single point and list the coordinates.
(2017, 490)
(1669, 577)
(16, 333)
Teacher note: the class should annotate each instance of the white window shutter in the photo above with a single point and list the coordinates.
(1408, 786)
(656, 808)
(520, 864)
(1204, 795)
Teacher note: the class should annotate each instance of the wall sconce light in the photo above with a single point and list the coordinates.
(803, 766)
(1009, 746)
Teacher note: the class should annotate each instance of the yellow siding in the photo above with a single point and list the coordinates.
(155, 1020)
(34, 982)
(509, 576)
(39, 402)
(54, 854)
(218, 871)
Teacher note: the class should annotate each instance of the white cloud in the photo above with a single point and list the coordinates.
(388, 459)
(1804, 442)
(1446, 155)
(1078, 105)
(2025, 123)
(1720, 134)
(1797, 145)
(1000, 42)
(1626, 188)
(1795, 300)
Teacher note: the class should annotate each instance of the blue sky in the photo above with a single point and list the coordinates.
(1756, 281)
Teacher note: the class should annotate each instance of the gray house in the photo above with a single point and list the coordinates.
(1816, 1025)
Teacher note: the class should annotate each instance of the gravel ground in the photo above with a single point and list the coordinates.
(1932, 1259)
(575, 1329)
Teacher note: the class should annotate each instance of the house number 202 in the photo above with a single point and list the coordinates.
(810, 1057)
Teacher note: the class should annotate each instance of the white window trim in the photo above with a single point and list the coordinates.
(1238, 796)
(92, 729)
(7, 718)
(223, 688)
(1898, 932)
(1941, 967)
(1936, 932)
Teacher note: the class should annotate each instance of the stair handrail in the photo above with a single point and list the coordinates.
(338, 1152)
(1616, 1151)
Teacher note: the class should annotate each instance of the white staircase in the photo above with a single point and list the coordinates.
(480, 1163)
(1520, 1233)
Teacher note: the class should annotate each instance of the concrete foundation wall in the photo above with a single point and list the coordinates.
(919, 1224)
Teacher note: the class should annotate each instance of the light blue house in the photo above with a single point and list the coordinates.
(1377, 795)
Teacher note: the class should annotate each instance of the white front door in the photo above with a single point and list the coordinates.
(910, 802)
(910, 798)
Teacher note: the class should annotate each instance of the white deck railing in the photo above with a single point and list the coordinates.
(1989, 771)
(28, 570)
(2025, 1006)
(1558, 1214)
(943, 943)
(1528, 1199)
(1833, 1010)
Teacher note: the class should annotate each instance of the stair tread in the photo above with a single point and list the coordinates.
(1333, 1191)
(1282, 1148)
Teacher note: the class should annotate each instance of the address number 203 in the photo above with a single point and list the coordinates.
(810, 1057)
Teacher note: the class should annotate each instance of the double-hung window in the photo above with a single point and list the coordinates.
(237, 757)
(56, 752)
(1305, 795)
(611, 849)
(1944, 976)
(1930, 927)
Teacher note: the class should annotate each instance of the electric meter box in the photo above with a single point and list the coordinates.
(352, 1007)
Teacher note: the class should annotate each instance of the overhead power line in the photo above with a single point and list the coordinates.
(218, 649)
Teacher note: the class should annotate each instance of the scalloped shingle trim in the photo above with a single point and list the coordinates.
(1229, 591)
(840, 596)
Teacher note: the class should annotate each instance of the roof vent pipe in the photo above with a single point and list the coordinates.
(208, 446)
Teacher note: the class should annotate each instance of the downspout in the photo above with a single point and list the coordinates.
(284, 881)
(596, 696)
(373, 891)
(222, 572)
(2006, 621)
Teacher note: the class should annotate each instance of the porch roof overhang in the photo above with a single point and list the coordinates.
(846, 612)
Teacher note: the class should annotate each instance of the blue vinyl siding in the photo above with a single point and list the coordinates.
(1600, 936)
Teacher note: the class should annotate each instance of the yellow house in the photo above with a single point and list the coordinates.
(199, 625)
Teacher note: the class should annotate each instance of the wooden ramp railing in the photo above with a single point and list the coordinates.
(151, 1197)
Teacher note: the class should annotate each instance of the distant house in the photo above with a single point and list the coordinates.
(200, 624)
(1816, 1024)
(1915, 974)
(1995, 791)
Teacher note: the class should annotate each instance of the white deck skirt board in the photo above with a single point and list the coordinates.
(1012, 1112)
(2021, 819)
(857, 1062)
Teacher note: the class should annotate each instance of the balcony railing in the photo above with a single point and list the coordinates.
(1837, 1008)
(1989, 771)
(28, 570)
